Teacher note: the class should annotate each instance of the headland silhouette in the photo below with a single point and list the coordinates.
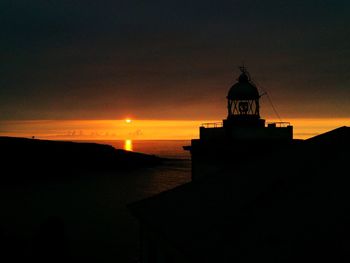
(28, 159)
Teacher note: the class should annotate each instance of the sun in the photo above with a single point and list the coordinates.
(128, 120)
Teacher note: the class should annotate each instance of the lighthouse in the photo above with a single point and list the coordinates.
(253, 188)
(241, 137)
(243, 104)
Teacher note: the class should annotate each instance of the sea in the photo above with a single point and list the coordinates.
(97, 224)
(162, 148)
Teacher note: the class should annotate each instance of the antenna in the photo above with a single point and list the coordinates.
(269, 99)
(242, 68)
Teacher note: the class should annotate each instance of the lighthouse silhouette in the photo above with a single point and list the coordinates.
(243, 102)
(256, 193)
(241, 136)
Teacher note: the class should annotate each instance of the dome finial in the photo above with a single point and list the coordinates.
(244, 77)
(242, 68)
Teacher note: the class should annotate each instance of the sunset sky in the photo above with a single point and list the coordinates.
(82, 67)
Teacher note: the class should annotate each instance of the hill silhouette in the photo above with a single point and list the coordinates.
(31, 158)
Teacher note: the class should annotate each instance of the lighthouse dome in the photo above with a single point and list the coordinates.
(244, 89)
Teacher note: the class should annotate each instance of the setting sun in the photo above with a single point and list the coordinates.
(128, 120)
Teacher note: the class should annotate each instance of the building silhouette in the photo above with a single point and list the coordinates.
(239, 138)
(256, 194)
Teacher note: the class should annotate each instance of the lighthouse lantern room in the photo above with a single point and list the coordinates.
(243, 104)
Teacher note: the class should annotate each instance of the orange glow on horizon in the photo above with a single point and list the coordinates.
(128, 120)
(142, 129)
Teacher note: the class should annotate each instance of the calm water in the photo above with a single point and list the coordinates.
(162, 148)
(97, 223)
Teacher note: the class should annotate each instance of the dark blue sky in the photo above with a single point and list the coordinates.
(171, 59)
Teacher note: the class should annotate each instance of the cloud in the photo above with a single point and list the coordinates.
(169, 59)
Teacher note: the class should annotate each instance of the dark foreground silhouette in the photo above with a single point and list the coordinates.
(65, 201)
(51, 243)
(283, 204)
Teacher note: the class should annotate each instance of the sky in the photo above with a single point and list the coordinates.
(107, 130)
(171, 60)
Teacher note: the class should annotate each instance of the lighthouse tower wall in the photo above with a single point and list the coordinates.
(222, 134)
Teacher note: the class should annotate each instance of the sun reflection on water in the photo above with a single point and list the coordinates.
(128, 145)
